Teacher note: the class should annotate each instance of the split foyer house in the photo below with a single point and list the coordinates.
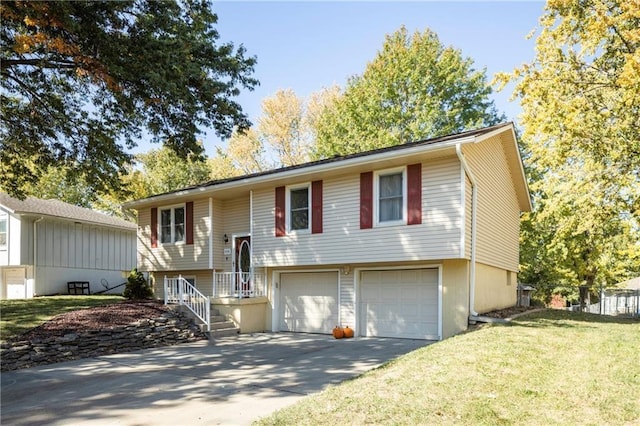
(405, 241)
(45, 244)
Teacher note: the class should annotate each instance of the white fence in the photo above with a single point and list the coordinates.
(238, 284)
(615, 302)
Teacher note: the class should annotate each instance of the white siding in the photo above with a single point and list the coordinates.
(342, 240)
(68, 245)
(12, 253)
(175, 257)
(498, 214)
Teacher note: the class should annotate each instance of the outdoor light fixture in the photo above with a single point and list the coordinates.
(226, 239)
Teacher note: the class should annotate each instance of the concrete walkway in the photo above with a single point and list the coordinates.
(230, 382)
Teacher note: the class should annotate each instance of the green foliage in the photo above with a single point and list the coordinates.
(137, 286)
(82, 81)
(164, 171)
(582, 136)
(414, 89)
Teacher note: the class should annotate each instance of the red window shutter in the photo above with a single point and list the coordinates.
(154, 227)
(189, 222)
(366, 200)
(316, 207)
(280, 211)
(414, 194)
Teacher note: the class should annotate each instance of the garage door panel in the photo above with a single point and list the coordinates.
(309, 302)
(399, 303)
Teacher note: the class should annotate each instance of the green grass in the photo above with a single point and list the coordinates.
(19, 316)
(550, 367)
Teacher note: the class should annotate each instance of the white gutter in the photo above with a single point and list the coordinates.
(35, 253)
(474, 209)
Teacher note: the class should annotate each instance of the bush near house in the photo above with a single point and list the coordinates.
(137, 286)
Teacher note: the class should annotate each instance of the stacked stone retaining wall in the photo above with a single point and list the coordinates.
(170, 329)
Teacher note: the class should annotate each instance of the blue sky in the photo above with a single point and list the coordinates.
(309, 45)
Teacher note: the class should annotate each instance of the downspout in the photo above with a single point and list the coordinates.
(35, 253)
(474, 209)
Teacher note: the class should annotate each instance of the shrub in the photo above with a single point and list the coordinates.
(137, 286)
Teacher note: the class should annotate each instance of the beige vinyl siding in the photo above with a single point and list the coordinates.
(342, 240)
(204, 281)
(218, 235)
(498, 214)
(234, 220)
(175, 257)
(347, 300)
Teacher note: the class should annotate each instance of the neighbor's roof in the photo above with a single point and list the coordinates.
(441, 141)
(59, 209)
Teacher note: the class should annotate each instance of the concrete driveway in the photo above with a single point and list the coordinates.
(229, 382)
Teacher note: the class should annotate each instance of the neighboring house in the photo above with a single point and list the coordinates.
(406, 241)
(44, 244)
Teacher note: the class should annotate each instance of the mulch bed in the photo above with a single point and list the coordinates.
(96, 318)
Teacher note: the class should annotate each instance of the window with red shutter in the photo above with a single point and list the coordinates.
(366, 200)
(414, 194)
(154, 227)
(280, 211)
(316, 207)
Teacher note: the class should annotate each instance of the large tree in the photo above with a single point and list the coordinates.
(414, 88)
(162, 170)
(284, 132)
(82, 81)
(581, 121)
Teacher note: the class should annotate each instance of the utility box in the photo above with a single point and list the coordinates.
(524, 295)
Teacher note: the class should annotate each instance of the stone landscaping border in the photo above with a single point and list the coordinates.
(171, 328)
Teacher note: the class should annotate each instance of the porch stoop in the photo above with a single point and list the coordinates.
(220, 325)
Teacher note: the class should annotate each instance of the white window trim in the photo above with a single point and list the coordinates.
(288, 214)
(376, 196)
(173, 224)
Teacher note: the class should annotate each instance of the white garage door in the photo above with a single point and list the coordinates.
(399, 303)
(309, 302)
(14, 279)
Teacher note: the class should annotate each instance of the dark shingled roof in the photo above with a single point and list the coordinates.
(432, 141)
(56, 208)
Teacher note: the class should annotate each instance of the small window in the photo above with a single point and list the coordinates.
(172, 225)
(3, 232)
(390, 197)
(299, 208)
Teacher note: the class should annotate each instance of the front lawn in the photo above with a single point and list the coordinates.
(549, 367)
(19, 316)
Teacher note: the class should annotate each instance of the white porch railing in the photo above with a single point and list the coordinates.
(238, 284)
(180, 291)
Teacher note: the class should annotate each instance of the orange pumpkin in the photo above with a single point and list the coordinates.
(348, 332)
(338, 333)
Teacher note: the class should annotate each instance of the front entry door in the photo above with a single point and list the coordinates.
(242, 266)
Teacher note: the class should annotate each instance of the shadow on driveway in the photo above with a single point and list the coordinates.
(231, 381)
